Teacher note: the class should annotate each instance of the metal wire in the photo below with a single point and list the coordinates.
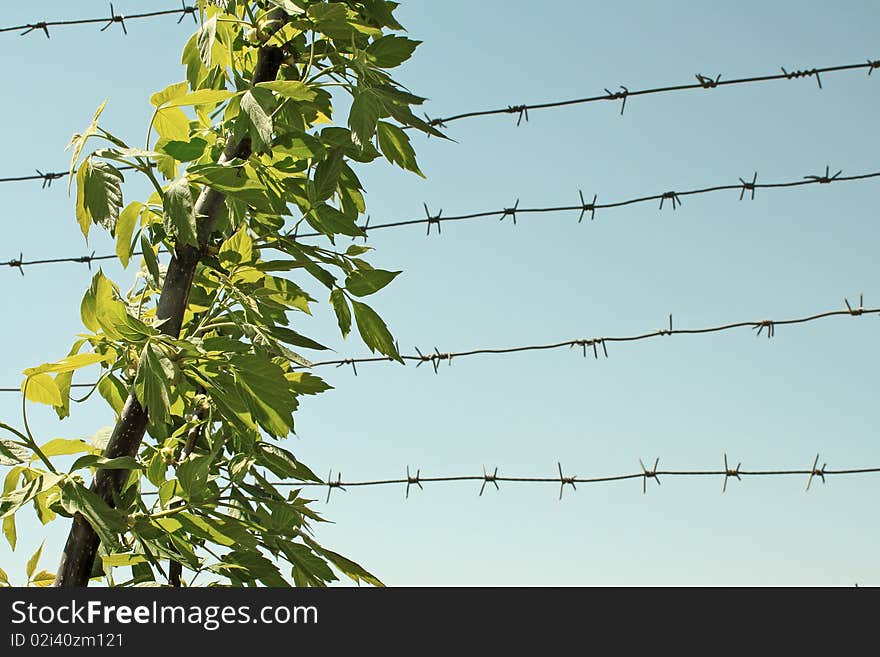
(582, 208)
(107, 21)
(703, 82)
(644, 474)
(762, 326)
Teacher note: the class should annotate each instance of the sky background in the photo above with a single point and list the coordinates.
(686, 399)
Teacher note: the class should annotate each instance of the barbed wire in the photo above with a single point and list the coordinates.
(51, 176)
(107, 21)
(582, 208)
(762, 326)
(703, 82)
(645, 473)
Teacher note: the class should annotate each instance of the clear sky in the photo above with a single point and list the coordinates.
(767, 403)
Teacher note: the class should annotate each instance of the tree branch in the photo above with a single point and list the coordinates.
(82, 542)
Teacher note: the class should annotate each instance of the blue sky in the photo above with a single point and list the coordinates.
(767, 403)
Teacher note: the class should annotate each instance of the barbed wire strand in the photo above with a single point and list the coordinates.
(410, 480)
(763, 326)
(582, 208)
(703, 82)
(107, 21)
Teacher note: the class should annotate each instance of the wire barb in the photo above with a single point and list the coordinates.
(824, 180)
(333, 484)
(563, 480)
(748, 186)
(522, 110)
(432, 219)
(410, 480)
(587, 207)
(872, 64)
(184, 10)
(510, 212)
(489, 479)
(349, 361)
(728, 473)
(803, 74)
(49, 177)
(764, 323)
(618, 95)
(672, 196)
(17, 263)
(855, 311)
(649, 474)
(706, 82)
(115, 18)
(816, 472)
(42, 25)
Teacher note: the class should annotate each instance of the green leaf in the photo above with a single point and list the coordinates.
(113, 391)
(122, 559)
(282, 463)
(65, 447)
(172, 124)
(262, 385)
(150, 261)
(340, 307)
(327, 176)
(102, 189)
(303, 383)
(125, 229)
(396, 147)
(104, 463)
(364, 282)
(10, 454)
(293, 338)
(10, 533)
(373, 331)
(152, 383)
(238, 249)
(391, 51)
(205, 39)
(346, 566)
(193, 476)
(83, 218)
(33, 561)
(366, 110)
(43, 579)
(293, 89)
(330, 221)
(180, 219)
(169, 93)
(13, 501)
(67, 364)
(107, 522)
(185, 151)
(259, 119)
(200, 97)
(79, 140)
(41, 389)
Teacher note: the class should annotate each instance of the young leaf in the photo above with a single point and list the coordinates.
(259, 119)
(152, 383)
(390, 51)
(107, 522)
(340, 307)
(396, 147)
(364, 282)
(366, 109)
(79, 140)
(238, 249)
(33, 561)
(293, 89)
(205, 39)
(102, 192)
(41, 389)
(10, 532)
(373, 331)
(125, 229)
(43, 579)
(179, 215)
(184, 151)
